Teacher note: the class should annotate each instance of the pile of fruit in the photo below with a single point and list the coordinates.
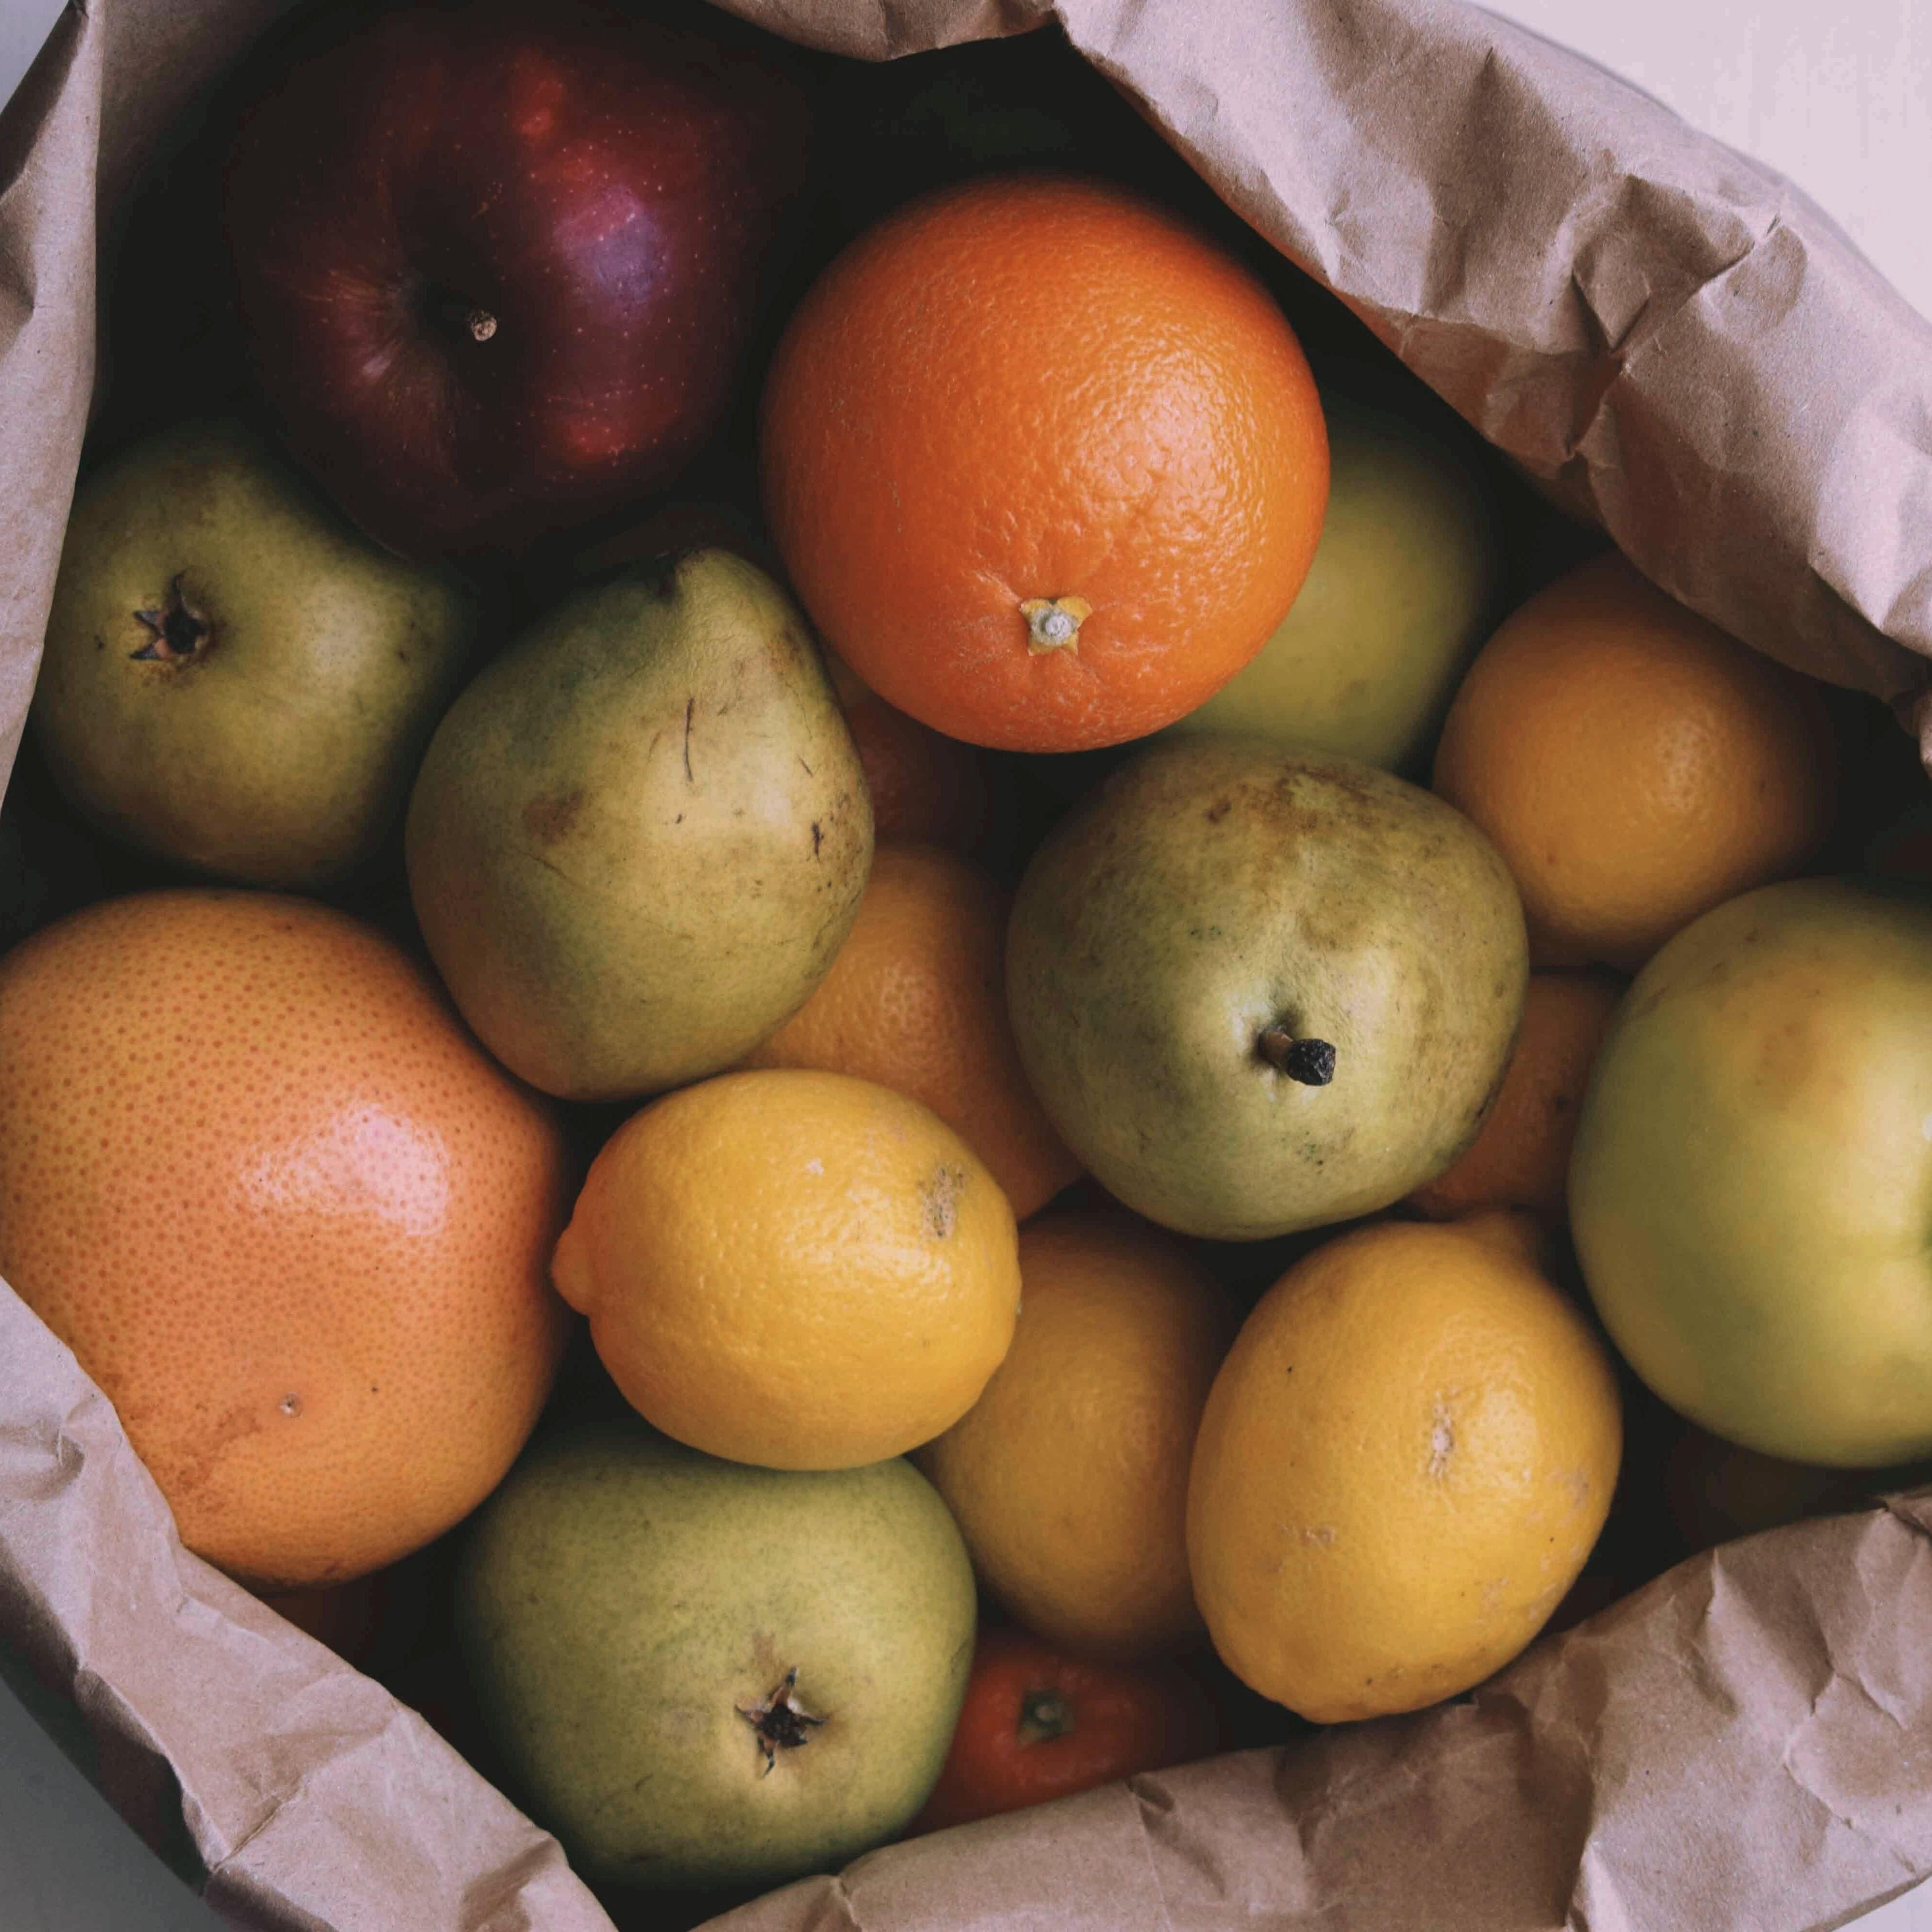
(1144, 1012)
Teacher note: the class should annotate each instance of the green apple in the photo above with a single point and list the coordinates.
(233, 678)
(1750, 1192)
(1396, 603)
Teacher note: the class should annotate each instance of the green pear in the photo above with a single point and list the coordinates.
(1398, 601)
(1258, 991)
(233, 678)
(702, 1673)
(639, 837)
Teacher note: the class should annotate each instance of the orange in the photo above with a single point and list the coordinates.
(926, 788)
(1520, 1157)
(1038, 1724)
(1068, 1477)
(916, 1001)
(793, 1268)
(1401, 1468)
(286, 1212)
(1634, 765)
(1046, 467)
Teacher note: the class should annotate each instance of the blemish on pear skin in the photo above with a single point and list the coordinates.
(549, 820)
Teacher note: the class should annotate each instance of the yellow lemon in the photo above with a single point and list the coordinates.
(1401, 1468)
(795, 1269)
(1069, 1476)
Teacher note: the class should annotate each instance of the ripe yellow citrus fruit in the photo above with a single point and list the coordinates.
(1069, 1476)
(916, 1000)
(792, 1268)
(1634, 765)
(1401, 1468)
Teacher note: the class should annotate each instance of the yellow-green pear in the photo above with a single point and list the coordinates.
(233, 678)
(640, 835)
(1397, 600)
(702, 1673)
(1259, 991)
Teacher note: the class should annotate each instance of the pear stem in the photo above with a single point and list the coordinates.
(458, 314)
(1312, 1062)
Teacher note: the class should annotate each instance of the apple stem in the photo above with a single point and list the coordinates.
(1312, 1062)
(471, 318)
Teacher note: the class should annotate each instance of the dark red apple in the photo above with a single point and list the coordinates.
(497, 261)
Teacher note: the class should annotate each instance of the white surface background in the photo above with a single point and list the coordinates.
(23, 25)
(1837, 93)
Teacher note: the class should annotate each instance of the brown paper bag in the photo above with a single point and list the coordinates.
(1674, 341)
